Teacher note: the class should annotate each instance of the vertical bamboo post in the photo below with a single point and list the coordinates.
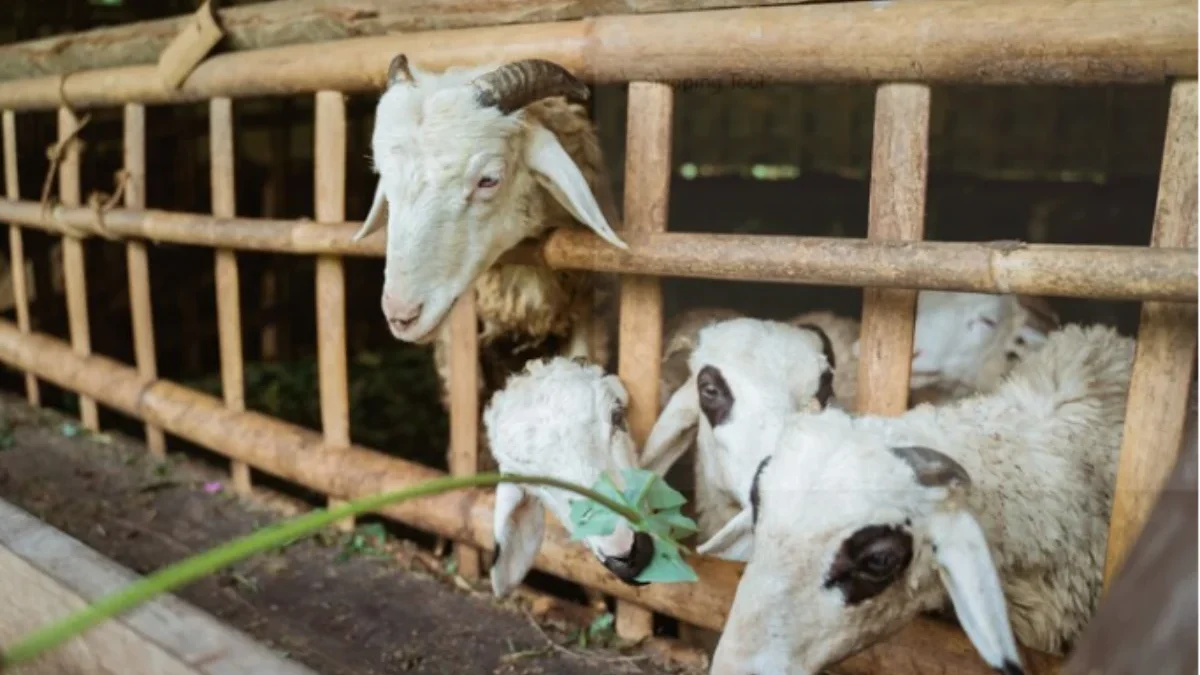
(229, 319)
(897, 212)
(464, 411)
(16, 247)
(329, 183)
(74, 269)
(647, 198)
(138, 263)
(1155, 414)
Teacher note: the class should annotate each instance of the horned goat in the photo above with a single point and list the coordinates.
(552, 406)
(860, 524)
(472, 162)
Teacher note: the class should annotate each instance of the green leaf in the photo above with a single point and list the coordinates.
(667, 566)
(662, 496)
(589, 519)
(601, 625)
(678, 521)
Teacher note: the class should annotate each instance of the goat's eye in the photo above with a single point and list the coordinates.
(618, 419)
(487, 182)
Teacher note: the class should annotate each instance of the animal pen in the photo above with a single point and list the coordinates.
(904, 48)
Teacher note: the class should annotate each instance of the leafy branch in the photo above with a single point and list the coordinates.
(648, 504)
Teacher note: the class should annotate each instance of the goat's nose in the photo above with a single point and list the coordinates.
(401, 315)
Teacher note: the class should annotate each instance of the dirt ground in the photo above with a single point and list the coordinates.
(341, 604)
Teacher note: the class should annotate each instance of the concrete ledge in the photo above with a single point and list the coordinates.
(46, 574)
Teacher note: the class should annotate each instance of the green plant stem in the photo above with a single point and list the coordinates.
(213, 560)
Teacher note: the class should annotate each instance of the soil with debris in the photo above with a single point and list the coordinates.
(341, 603)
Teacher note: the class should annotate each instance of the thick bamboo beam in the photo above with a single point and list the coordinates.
(16, 246)
(1166, 347)
(229, 313)
(1098, 272)
(943, 41)
(301, 456)
(463, 459)
(899, 169)
(329, 186)
(284, 22)
(138, 263)
(74, 269)
(647, 201)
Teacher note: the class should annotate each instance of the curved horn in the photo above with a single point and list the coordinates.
(515, 85)
(398, 70)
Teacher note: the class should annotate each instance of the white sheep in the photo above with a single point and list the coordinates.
(963, 343)
(471, 162)
(860, 524)
(551, 408)
(743, 370)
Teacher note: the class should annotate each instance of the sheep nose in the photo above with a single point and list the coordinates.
(627, 567)
(401, 315)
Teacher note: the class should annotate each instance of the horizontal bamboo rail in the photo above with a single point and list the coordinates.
(934, 41)
(300, 455)
(1066, 270)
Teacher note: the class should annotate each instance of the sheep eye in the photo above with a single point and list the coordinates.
(487, 182)
(879, 565)
(709, 391)
(987, 322)
(618, 419)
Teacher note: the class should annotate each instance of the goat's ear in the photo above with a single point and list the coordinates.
(557, 172)
(517, 529)
(969, 574)
(734, 541)
(674, 431)
(376, 217)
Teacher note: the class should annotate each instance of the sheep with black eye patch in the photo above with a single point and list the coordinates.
(565, 419)
(996, 505)
(743, 373)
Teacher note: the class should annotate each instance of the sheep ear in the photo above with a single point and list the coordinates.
(376, 217)
(969, 574)
(933, 469)
(517, 528)
(674, 431)
(734, 541)
(557, 172)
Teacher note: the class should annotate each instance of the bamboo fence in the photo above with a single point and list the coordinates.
(904, 48)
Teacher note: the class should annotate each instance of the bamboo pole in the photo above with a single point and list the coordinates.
(647, 198)
(74, 269)
(896, 213)
(229, 315)
(301, 456)
(16, 246)
(1166, 347)
(329, 186)
(138, 263)
(943, 41)
(1098, 272)
(464, 411)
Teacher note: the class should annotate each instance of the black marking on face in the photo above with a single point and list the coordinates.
(496, 551)
(618, 419)
(869, 561)
(1010, 668)
(754, 490)
(716, 400)
(825, 383)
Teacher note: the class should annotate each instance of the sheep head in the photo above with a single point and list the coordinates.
(563, 418)
(463, 175)
(743, 374)
(853, 539)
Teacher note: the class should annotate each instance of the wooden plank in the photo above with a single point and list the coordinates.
(138, 263)
(943, 41)
(647, 198)
(16, 246)
(463, 356)
(229, 313)
(46, 574)
(330, 190)
(897, 213)
(1166, 348)
(74, 268)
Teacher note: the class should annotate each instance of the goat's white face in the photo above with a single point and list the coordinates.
(851, 539)
(744, 375)
(971, 339)
(564, 419)
(459, 173)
